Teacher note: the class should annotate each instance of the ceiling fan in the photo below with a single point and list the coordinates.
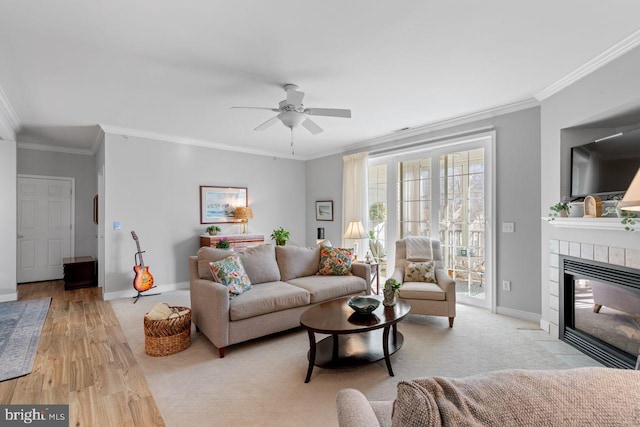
(292, 113)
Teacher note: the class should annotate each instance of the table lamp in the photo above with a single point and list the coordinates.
(355, 231)
(243, 214)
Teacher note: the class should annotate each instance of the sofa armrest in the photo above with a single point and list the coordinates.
(363, 270)
(354, 409)
(445, 282)
(209, 307)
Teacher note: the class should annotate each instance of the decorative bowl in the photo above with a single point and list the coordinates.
(363, 305)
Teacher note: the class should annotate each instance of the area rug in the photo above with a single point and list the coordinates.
(261, 383)
(20, 326)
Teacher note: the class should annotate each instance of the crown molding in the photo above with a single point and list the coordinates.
(56, 149)
(7, 111)
(436, 126)
(99, 139)
(617, 50)
(114, 130)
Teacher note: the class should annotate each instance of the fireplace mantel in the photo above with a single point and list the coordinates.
(611, 224)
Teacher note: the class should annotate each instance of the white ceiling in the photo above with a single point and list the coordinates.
(173, 69)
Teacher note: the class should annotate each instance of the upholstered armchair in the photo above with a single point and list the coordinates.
(434, 299)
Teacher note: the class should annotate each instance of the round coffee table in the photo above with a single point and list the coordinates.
(355, 339)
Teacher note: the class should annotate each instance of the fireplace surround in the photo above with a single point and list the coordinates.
(599, 310)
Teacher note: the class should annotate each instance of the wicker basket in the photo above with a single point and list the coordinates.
(167, 336)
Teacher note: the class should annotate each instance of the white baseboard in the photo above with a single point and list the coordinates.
(525, 315)
(158, 289)
(9, 297)
(545, 325)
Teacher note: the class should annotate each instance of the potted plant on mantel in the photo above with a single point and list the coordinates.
(280, 235)
(213, 230)
(628, 218)
(560, 209)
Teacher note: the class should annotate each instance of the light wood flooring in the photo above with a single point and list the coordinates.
(83, 360)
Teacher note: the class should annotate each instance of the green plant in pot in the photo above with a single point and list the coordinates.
(560, 209)
(280, 235)
(223, 243)
(628, 218)
(391, 286)
(213, 230)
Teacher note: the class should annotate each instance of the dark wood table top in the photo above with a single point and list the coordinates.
(336, 317)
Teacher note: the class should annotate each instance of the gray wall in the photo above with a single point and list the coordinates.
(152, 187)
(324, 182)
(517, 199)
(83, 169)
(608, 92)
(8, 221)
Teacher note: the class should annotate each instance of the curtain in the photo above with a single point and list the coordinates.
(354, 194)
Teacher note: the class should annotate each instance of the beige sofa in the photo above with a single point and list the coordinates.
(284, 285)
(571, 397)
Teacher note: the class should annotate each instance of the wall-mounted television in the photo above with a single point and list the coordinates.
(605, 166)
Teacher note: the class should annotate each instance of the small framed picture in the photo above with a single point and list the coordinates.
(324, 210)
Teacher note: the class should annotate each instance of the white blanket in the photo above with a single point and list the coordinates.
(418, 248)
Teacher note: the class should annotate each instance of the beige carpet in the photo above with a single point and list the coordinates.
(261, 383)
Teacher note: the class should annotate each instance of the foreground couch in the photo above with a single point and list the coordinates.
(284, 285)
(572, 397)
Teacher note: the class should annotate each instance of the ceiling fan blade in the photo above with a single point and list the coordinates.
(268, 123)
(311, 126)
(257, 108)
(294, 97)
(330, 112)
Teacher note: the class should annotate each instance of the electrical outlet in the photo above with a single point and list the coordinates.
(508, 227)
(506, 285)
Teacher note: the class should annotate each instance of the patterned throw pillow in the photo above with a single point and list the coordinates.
(335, 261)
(230, 273)
(419, 271)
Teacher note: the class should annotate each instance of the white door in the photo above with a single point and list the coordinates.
(45, 230)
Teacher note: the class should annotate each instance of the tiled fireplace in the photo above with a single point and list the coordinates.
(582, 276)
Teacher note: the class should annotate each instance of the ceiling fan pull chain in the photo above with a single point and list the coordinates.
(292, 152)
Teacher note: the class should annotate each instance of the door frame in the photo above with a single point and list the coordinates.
(434, 149)
(72, 212)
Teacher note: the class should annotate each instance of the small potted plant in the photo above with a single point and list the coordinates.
(223, 243)
(280, 235)
(213, 230)
(560, 209)
(391, 286)
(628, 218)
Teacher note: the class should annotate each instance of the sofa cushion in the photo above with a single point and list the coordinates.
(422, 290)
(419, 271)
(297, 261)
(207, 255)
(267, 298)
(522, 398)
(230, 273)
(323, 288)
(260, 264)
(335, 261)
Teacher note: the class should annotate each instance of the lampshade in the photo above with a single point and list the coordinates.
(243, 213)
(355, 230)
(631, 199)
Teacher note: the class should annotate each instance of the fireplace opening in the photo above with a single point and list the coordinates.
(600, 310)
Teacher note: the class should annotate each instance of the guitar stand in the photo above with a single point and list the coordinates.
(140, 294)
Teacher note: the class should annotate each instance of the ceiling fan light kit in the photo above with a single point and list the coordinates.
(292, 113)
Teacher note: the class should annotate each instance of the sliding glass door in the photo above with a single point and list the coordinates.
(444, 193)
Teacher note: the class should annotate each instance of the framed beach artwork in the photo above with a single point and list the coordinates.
(218, 204)
(324, 210)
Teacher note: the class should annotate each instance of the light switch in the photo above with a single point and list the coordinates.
(508, 227)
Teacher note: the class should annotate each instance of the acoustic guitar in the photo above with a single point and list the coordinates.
(143, 280)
